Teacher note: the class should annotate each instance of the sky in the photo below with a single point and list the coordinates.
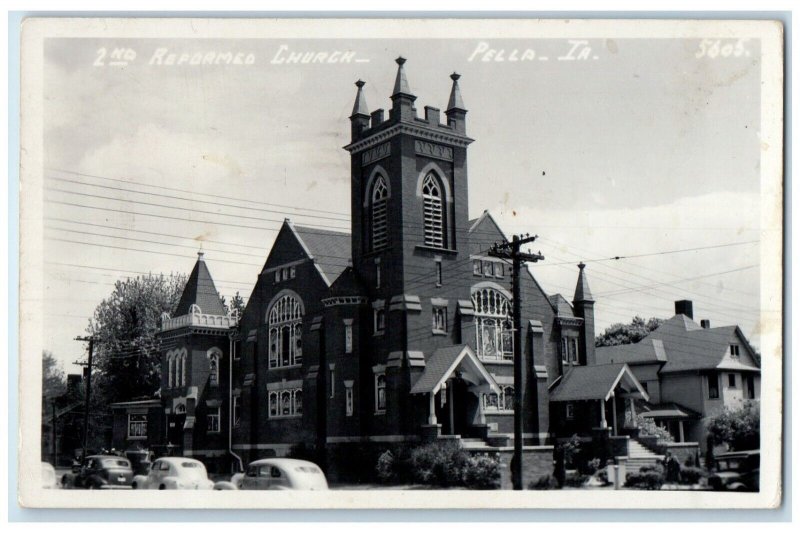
(639, 148)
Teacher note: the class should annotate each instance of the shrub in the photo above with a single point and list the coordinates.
(602, 476)
(652, 468)
(543, 483)
(439, 464)
(690, 461)
(645, 479)
(575, 479)
(647, 426)
(482, 473)
(386, 468)
(593, 466)
(692, 474)
(738, 428)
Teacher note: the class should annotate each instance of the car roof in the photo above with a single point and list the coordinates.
(176, 460)
(282, 461)
(106, 457)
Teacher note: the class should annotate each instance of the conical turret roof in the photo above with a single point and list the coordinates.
(200, 290)
(582, 291)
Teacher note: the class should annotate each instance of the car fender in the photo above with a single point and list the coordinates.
(139, 482)
(225, 485)
(736, 485)
(67, 481)
(170, 482)
(95, 482)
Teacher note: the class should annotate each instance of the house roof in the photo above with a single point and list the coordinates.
(669, 410)
(645, 351)
(595, 382)
(444, 361)
(330, 250)
(682, 345)
(200, 290)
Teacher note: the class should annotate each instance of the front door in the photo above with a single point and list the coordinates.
(175, 429)
(453, 406)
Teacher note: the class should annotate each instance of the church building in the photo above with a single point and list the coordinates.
(397, 332)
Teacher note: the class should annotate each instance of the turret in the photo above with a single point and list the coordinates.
(456, 112)
(402, 99)
(583, 304)
(359, 119)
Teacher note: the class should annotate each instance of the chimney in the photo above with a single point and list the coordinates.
(73, 384)
(684, 307)
(705, 323)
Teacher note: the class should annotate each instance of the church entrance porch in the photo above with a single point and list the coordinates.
(453, 381)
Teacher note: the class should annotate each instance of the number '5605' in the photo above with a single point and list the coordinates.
(714, 48)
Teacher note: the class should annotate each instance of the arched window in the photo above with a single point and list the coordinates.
(181, 409)
(170, 363)
(214, 356)
(493, 336)
(380, 232)
(285, 320)
(432, 211)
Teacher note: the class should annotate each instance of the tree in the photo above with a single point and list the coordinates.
(124, 327)
(739, 428)
(627, 333)
(54, 383)
(237, 304)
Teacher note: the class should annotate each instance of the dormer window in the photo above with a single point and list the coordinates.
(734, 351)
(194, 309)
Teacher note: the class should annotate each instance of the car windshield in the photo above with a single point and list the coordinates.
(116, 463)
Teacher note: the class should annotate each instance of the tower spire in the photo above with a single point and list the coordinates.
(455, 101)
(360, 105)
(582, 291)
(401, 82)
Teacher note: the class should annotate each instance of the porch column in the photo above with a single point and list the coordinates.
(632, 408)
(450, 397)
(680, 431)
(614, 411)
(432, 412)
(603, 423)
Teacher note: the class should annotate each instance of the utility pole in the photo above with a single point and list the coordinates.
(511, 251)
(88, 366)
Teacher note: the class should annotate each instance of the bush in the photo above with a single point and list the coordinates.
(602, 476)
(692, 474)
(385, 468)
(575, 479)
(645, 479)
(738, 428)
(482, 473)
(543, 483)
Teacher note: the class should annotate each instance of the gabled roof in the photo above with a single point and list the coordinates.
(330, 250)
(561, 305)
(200, 290)
(682, 345)
(348, 284)
(668, 410)
(444, 362)
(595, 382)
(484, 231)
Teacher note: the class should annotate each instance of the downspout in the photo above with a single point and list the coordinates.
(231, 350)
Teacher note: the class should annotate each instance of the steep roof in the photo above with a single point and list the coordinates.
(200, 290)
(330, 250)
(561, 305)
(348, 284)
(582, 291)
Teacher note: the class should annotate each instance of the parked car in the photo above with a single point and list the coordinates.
(48, 476)
(99, 472)
(277, 474)
(175, 473)
(736, 471)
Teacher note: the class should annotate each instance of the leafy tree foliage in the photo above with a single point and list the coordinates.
(124, 327)
(627, 333)
(54, 383)
(738, 428)
(237, 304)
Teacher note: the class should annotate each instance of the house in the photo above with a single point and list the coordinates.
(690, 371)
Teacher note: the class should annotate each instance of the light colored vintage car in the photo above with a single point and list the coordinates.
(175, 473)
(277, 474)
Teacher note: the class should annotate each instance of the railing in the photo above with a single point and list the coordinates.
(199, 319)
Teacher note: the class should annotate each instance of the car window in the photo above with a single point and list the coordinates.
(113, 463)
(308, 469)
(252, 471)
(164, 466)
(275, 472)
(190, 465)
(263, 471)
(155, 466)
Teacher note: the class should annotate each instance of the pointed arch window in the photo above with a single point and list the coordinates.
(432, 211)
(285, 320)
(493, 336)
(380, 200)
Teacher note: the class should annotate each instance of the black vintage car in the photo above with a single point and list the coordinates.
(737, 471)
(100, 472)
